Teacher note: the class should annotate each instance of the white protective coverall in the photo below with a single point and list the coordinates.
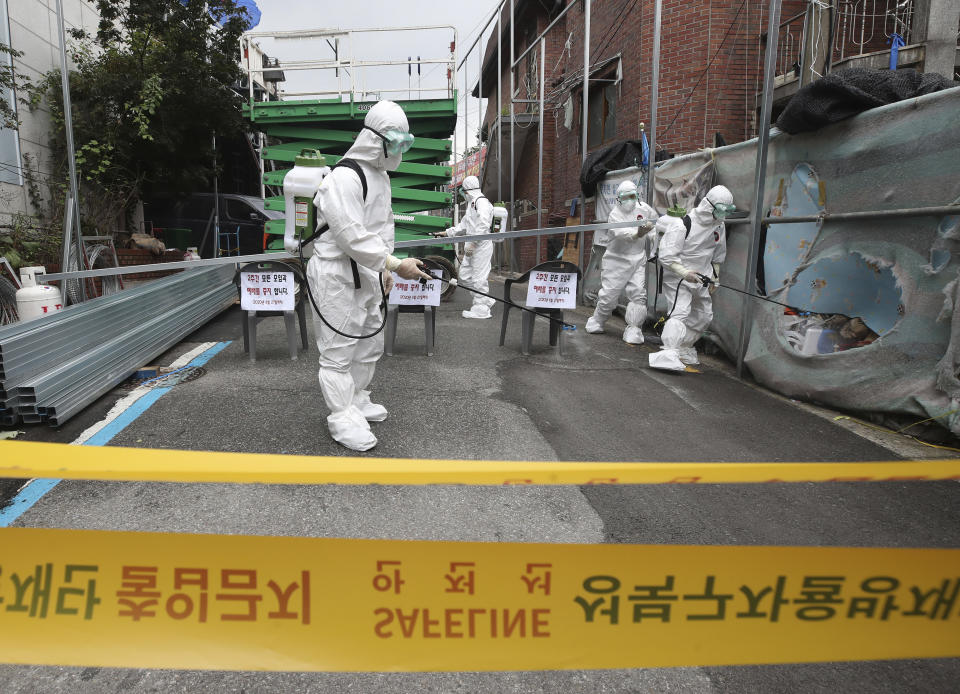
(364, 232)
(624, 266)
(682, 255)
(475, 268)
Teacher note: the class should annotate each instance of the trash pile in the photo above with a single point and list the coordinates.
(818, 333)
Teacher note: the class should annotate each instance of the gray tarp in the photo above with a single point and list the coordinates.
(899, 275)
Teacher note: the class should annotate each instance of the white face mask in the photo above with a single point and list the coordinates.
(392, 162)
(628, 204)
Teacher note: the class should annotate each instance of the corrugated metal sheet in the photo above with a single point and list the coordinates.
(52, 368)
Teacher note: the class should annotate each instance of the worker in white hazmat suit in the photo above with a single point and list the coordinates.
(475, 268)
(689, 254)
(361, 230)
(624, 264)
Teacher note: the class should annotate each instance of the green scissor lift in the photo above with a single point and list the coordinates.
(331, 125)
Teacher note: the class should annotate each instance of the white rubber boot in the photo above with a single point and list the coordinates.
(371, 411)
(349, 428)
(688, 355)
(633, 335)
(594, 326)
(667, 360)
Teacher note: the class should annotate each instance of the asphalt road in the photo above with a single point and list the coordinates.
(477, 400)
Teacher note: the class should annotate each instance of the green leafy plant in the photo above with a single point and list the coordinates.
(11, 82)
(24, 241)
(148, 92)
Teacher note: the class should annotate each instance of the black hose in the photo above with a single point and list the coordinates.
(762, 298)
(663, 321)
(383, 294)
(512, 304)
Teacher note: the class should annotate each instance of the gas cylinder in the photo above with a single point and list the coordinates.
(36, 300)
(299, 186)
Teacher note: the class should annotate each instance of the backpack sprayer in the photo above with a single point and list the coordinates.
(299, 187)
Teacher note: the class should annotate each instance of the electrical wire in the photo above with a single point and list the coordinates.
(17, 168)
(611, 37)
(383, 294)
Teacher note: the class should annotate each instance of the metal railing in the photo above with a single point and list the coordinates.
(790, 45)
(859, 27)
(351, 74)
(866, 26)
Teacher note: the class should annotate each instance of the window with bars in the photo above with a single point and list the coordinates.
(602, 115)
(602, 111)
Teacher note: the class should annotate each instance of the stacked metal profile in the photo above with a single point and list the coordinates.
(53, 367)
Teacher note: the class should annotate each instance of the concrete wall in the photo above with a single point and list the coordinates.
(33, 30)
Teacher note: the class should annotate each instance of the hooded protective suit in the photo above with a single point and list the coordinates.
(364, 232)
(475, 267)
(682, 256)
(624, 265)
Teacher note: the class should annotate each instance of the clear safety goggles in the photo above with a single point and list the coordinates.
(627, 197)
(394, 141)
(720, 209)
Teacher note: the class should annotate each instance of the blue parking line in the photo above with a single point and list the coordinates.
(34, 491)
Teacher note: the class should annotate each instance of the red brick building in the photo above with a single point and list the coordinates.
(710, 76)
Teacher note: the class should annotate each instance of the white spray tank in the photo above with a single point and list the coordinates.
(499, 221)
(36, 300)
(299, 186)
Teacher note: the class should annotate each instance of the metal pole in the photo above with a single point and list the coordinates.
(480, 35)
(463, 154)
(480, 112)
(543, 59)
(866, 214)
(216, 203)
(415, 243)
(513, 202)
(654, 97)
(586, 121)
(543, 33)
(262, 139)
(756, 207)
(68, 210)
(71, 162)
(498, 119)
(281, 255)
(497, 248)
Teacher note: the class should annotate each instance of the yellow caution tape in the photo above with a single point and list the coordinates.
(145, 600)
(20, 459)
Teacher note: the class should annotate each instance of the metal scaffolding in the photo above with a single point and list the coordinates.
(756, 219)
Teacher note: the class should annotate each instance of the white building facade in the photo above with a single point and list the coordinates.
(30, 26)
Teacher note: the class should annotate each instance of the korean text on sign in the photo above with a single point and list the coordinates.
(117, 599)
(267, 291)
(552, 290)
(412, 293)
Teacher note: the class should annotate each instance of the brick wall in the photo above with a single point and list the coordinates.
(140, 256)
(695, 101)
